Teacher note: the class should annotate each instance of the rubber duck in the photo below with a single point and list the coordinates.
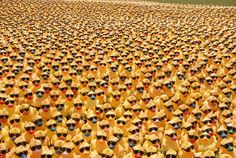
(85, 150)
(170, 140)
(4, 116)
(46, 152)
(87, 132)
(69, 98)
(36, 148)
(99, 143)
(3, 150)
(51, 128)
(187, 149)
(41, 135)
(110, 115)
(21, 151)
(227, 147)
(132, 141)
(29, 131)
(58, 148)
(92, 120)
(68, 150)
(61, 107)
(206, 142)
(91, 101)
(15, 120)
(116, 99)
(77, 140)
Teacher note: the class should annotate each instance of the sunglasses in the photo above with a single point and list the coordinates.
(21, 87)
(228, 145)
(74, 88)
(36, 121)
(65, 69)
(134, 131)
(110, 116)
(137, 123)
(59, 105)
(128, 116)
(70, 125)
(118, 135)
(21, 143)
(122, 89)
(22, 110)
(36, 147)
(84, 149)
(146, 99)
(76, 119)
(83, 94)
(92, 118)
(140, 88)
(151, 108)
(137, 110)
(58, 148)
(9, 85)
(102, 64)
(45, 106)
(104, 126)
(84, 82)
(57, 117)
(10, 102)
(47, 88)
(132, 141)
(22, 153)
(61, 134)
(40, 138)
(138, 152)
(87, 131)
(114, 83)
(25, 79)
(221, 132)
(79, 142)
(14, 135)
(10, 77)
(121, 122)
(78, 104)
(106, 109)
(91, 79)
(153, 129)
(171, 156)
(3, 152)
(68, 150)
(101, 137)
(14, 120)
(204, 135)
(193, 137)
(63, 88)
(54, 96)
(28, 95)
(52, 125)
(128, 84)
(150, 153)
(69, 95)
(135, 78)
(172, 135)
(56, 83)
(90, 95)
(207, 121)
(30, 128)
(155, 141)
(189, 149)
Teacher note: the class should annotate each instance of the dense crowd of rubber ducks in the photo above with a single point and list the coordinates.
(117, 80)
